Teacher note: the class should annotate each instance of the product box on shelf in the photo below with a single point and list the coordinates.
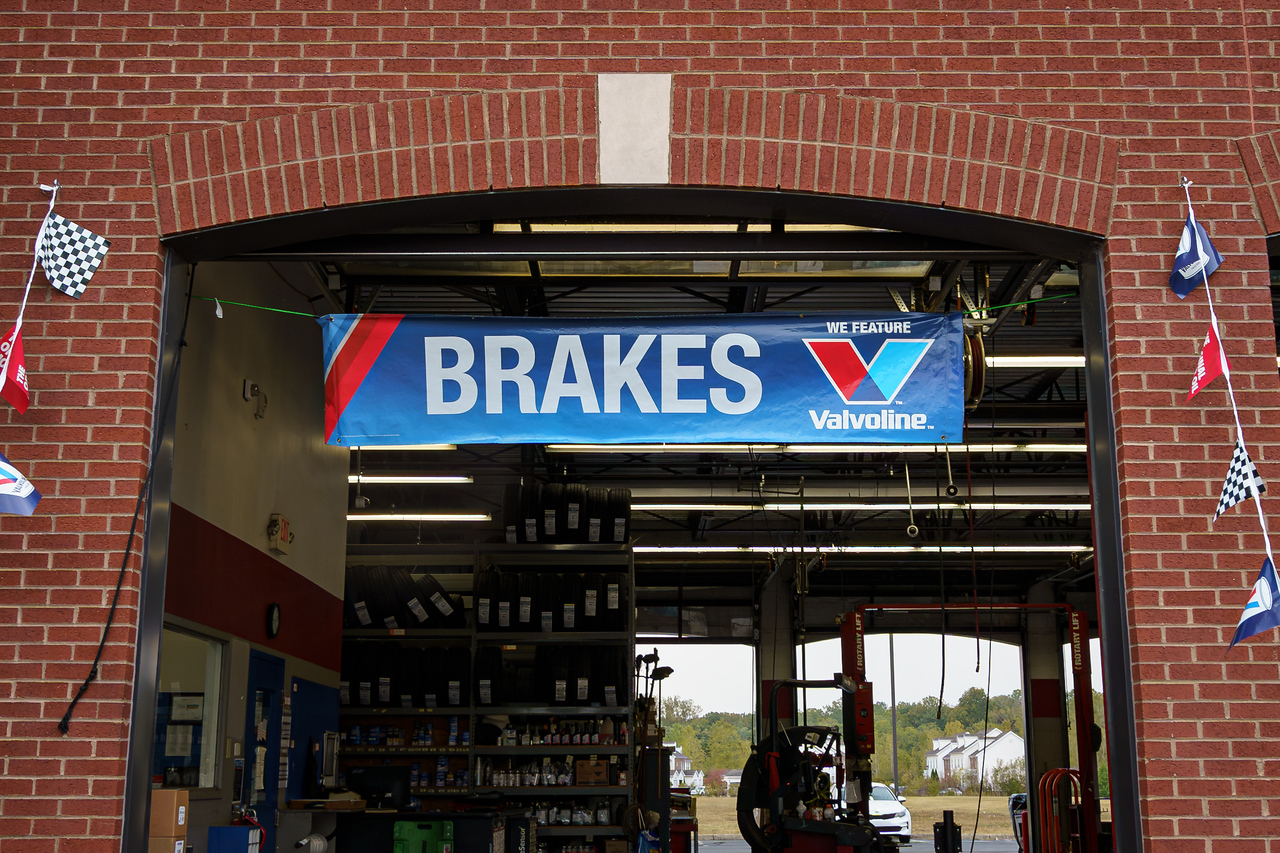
(519, 836)
(591, 771)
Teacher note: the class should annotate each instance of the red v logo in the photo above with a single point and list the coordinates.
(842, 363)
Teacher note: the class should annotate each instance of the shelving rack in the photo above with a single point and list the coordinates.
(466, 565)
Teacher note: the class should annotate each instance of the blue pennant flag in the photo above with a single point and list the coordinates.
(1196, 258)
(1262, 613)
(17, 495)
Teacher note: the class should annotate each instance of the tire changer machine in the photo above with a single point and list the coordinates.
(785, 799)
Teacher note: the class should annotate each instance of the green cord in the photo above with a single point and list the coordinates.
(1016, 304)
(258, 307)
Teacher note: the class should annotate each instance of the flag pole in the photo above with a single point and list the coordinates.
(1226, 372)
(35, 263)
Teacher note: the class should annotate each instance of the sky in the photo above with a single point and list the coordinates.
(718, 678)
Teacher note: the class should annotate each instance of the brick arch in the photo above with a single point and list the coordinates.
(374, 152)
(892, 151)
(765, 139)
(1261, 156)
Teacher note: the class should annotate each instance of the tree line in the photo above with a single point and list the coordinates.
(717, 742)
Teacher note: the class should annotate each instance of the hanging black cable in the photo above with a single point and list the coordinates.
(942, 585)
(973, 561)
(982, 772)
(64, 725)
(986, 711)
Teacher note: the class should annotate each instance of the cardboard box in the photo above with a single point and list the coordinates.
(591, 771)
(520, 836)
(168, 813)
(169, 844)
(615, 845)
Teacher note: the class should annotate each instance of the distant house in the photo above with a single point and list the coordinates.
(683, 774)
(961, 758)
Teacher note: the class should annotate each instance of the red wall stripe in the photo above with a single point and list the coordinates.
(224, 583)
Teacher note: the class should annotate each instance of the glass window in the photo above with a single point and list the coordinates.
(186, 735)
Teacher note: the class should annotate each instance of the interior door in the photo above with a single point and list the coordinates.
(263, 715)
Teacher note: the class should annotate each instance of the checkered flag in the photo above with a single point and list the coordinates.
(1237, 486)
(69, 254)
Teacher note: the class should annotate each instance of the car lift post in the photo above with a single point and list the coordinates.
(861, 746)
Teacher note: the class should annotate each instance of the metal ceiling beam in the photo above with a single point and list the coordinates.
(535, 300)
(374, 285)
(1038, 274)
(773, 246)
(948, 282)
(1047, 381)
(328, 283)
(744, 299)
(749, 298)
(611, 280)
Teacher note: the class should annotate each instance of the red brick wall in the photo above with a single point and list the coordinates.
(1144, 91)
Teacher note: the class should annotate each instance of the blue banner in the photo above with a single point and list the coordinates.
(17, 495)
(870, 378)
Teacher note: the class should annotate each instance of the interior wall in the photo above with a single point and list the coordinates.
(212, 806)
(233, 469)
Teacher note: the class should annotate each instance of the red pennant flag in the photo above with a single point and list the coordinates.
(1212, 364)
(15, 388)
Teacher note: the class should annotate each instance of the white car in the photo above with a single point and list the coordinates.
(888, 814)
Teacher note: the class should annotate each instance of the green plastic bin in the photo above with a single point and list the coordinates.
(422, 836)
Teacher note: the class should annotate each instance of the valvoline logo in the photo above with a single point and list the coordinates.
(13, 482)
(859, 381)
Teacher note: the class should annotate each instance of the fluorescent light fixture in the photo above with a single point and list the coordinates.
(1034, 447)
(1046, 447)
(861, 506)
(746, 550)
(407, 479)
(1035, 361)
(665, 448)
(903, 506)
(725, 227)
(1038, 447)
(696, 507)
(404, 447)
(419, 516)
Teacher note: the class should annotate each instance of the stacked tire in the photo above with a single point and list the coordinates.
(567, 513)
(395, 597)
(525, 601)
(398, 675)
